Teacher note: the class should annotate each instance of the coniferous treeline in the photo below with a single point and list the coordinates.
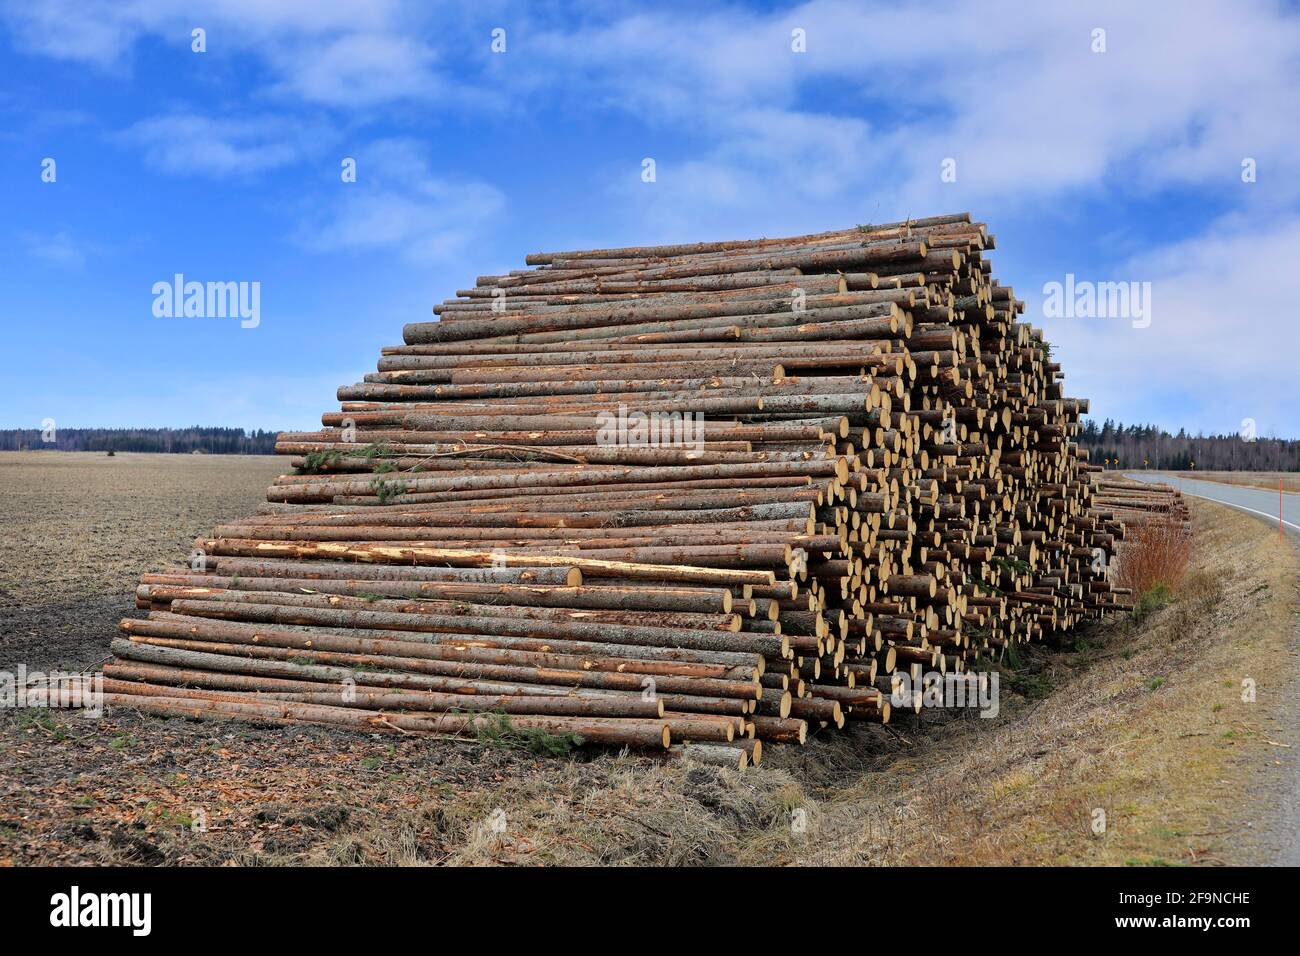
(212, 441)
(1146, 446)
(1134, 446)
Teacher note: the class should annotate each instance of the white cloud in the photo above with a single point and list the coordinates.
(359, 69)
(187, 143)
(328, 51)
(60, 248)
(96, 33)
(1221, 344)
(399, 202)
(1012, 91)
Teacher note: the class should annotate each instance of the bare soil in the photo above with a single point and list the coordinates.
(1144, 721)
(79, 523)
(77, 529)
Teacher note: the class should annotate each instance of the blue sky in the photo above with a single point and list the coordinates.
(1122, 165)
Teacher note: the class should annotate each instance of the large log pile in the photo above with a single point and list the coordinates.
(718, 493)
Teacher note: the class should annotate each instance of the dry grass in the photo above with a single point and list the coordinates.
(1154, 554)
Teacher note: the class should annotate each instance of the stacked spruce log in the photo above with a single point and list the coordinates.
(714, 494)
(1124, 501)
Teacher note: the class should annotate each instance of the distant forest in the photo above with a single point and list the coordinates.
(1146, 446)
(211, 441)
(1134, 446)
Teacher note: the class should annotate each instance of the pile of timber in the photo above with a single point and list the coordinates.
(707, 495)
(1135, 503)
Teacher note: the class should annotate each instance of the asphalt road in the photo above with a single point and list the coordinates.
(1265, 506)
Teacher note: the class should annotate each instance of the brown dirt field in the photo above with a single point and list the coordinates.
(92, 524)
(1142, 720)
(77, 529)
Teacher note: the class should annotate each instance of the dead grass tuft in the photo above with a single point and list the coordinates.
(1154, 554)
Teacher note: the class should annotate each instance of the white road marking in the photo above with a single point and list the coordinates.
(1231, 504)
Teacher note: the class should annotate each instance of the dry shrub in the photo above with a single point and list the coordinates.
(1154, 553)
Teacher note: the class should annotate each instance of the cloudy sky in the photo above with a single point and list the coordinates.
(1107, 141)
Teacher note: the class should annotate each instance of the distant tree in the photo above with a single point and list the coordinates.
(222, 441)
(1135, 445)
